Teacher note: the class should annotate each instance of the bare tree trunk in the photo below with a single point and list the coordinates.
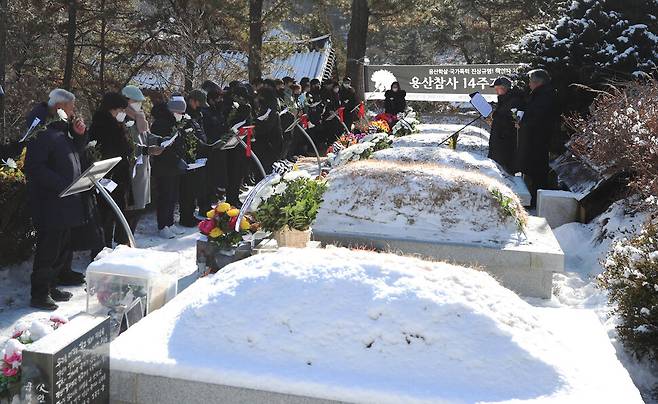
(3, 61)
(103, 51)
(492, 41)
(189, 73)
(357, 39)
(70, 43)
(255, 39)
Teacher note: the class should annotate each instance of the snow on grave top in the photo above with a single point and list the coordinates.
(423, 202)
(359, 326)
(472, 139)
(444, 156)
(137, 262)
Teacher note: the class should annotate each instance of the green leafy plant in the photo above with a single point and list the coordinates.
(297, 207)
(631, 279)
(510, 208)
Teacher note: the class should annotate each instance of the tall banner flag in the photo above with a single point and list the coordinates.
(436, 83)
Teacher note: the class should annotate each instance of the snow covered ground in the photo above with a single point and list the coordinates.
(583, 245)
(376, 328)
(15, 280)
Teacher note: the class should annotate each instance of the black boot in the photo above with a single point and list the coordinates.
(71, 278)
(59, 295)
(44, 303)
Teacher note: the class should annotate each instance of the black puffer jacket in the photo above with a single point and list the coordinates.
(169, 163)
(395, 101)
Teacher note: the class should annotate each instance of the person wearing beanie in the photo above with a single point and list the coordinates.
(145, 146)
(193, 190)
(109, 131)
(170, 164)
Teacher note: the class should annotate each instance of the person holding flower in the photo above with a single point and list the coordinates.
(145, 146)
(52, 163)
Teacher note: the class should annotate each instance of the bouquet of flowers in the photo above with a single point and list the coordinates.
(359, 151)
(380, 140)
(292, 200)
(379, 126)
(344, 141)
(12, 353)
(407, 124)
(220, 225)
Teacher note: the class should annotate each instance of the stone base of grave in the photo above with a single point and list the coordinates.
(520, 188)
(135, 388)
(558, 207)
(526, 269)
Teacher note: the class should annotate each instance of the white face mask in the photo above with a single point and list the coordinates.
(178, 116)
(121, 116)
(137, 106)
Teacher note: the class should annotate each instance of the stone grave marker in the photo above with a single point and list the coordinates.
(70, 365)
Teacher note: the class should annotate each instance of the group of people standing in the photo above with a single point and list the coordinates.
(522, 126)
(179, 151)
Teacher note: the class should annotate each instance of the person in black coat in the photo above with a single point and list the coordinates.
(237, 162)
(395, 100)
(332, 128)
(540, 120)
(268, 131)
(503, 136)
(108, 130)
(193, 190)
(168, 166)
(348, 100)
(52, 163)
(215, 127)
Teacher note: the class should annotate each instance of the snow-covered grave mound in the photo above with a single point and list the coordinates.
(358, 326)
(472, 139)
(462, 160)
(419, 202)
(444, 156)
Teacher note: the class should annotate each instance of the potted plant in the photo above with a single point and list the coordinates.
(223, 244)
(289, 207)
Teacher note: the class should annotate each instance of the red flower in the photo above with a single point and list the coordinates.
(232, 222)
(206, 226)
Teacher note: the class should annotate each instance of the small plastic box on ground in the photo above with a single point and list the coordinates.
(120, 276)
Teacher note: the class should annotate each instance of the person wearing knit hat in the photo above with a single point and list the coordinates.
(198, 99)
(139, 132)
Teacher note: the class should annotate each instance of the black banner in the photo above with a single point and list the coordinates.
(435, 83)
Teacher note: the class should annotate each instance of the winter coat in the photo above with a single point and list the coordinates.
(214, 123)
(113, 141)
(51, 164)
(193, 136)
(170, 162)
(347, 98)
(139, 134)
(269, 134)
(395, 102)
(540, 121)
(503, 136)
(314, 112)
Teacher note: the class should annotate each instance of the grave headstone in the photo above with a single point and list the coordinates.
(70, 365)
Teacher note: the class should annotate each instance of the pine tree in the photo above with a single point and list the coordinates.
(597, 40)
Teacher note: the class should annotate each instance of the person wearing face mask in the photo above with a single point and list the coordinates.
(145, 146)
(331, 126)
(395, 100)
(170, 164)
(314, 108)
(348, 100)
(108, 130)
(269, 135)
(52, 162)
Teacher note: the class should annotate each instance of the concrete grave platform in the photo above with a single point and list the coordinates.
(526, 269)
(139, 388)
(558, 207)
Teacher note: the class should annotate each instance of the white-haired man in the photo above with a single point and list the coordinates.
(51, 164)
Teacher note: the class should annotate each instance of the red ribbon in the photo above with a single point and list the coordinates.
(341, 114)
(303, 120)
(249, 131)
(362, 110)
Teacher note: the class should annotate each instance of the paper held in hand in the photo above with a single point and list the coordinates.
(169, 141)
(197, 164)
